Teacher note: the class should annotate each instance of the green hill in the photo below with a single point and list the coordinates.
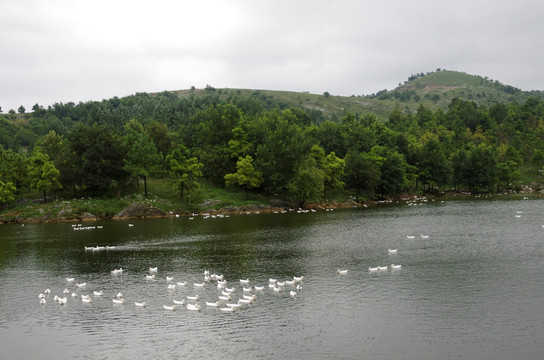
(434, 90)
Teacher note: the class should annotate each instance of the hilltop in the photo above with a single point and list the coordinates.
(435, 90)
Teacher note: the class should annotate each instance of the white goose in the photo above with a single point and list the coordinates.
(298, 278)
(140, 304)
(170, 308)
(382, 268)
(245, 301)
(150, 277)
(195, 297)
(171, 286)
(180, 302)
(82, 285)
(244, 281)
(228, 309)
(70, 280)
(169, 278)
(373, 269)
(395, 267)
(341, 272)
(86, 299)
(392, 251)
(259, 288)
(153, 270)
(293, 294)
(119, 295)
(194, 307)
(98, 293)
(213, 304)
(225, 297)
(182, 283)
(119, 301)
(42, 301)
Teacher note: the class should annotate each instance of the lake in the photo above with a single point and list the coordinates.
(470, 285)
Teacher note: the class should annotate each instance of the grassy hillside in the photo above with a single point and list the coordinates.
(434, 90)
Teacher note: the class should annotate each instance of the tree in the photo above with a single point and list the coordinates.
(434, 167)
(393, 171)
(142, 157)
(246, 177)
(333, 172)
(99, 157)
(6, 191)
(362, 173)
(307, 183)
(185, 169)
(21, 110)
(43, 174)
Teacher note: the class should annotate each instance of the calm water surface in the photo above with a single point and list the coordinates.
(471, 287)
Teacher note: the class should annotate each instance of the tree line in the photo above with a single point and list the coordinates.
(98, 148)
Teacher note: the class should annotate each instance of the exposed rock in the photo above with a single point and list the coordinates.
(88, 217)
(138, 211)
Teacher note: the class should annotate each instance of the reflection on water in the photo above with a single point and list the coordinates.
(469, 287)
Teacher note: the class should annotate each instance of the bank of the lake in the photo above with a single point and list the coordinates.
(138, 207)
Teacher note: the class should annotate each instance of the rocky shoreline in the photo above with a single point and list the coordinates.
(140, 210)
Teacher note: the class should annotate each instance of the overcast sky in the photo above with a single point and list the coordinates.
(70, 50)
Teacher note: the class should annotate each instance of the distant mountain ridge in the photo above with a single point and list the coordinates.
(434, 90)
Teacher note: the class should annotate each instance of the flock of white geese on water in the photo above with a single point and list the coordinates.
(383, 268)
(229, 297)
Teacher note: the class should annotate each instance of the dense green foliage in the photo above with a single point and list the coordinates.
(98, 147)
